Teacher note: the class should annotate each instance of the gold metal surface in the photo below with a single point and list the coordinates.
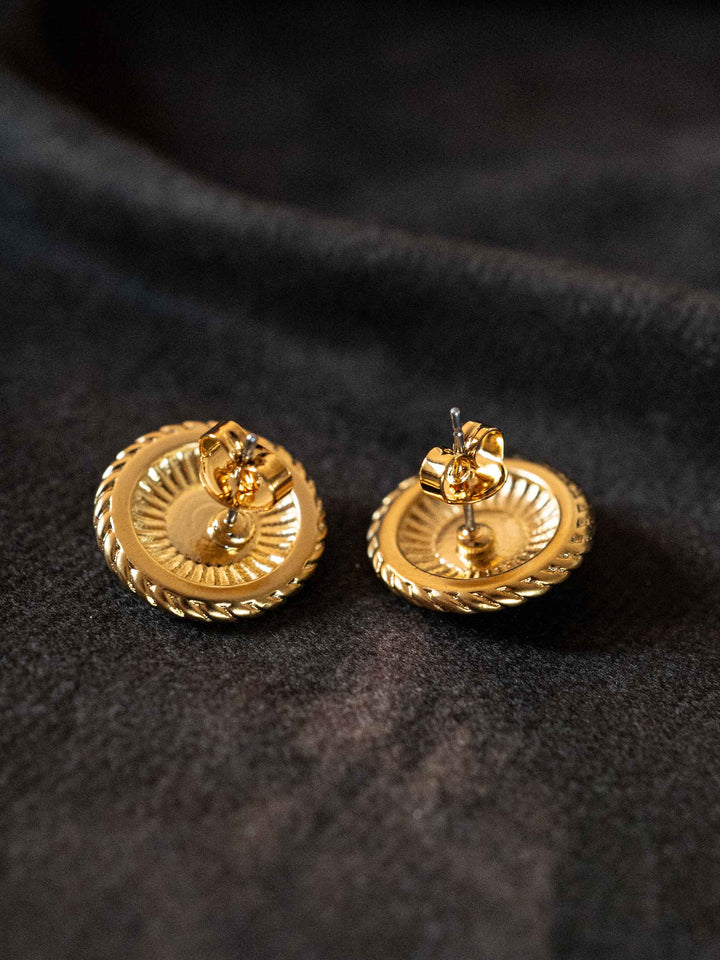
(468, 475)
(160, 531)
(236, 478)
(504, 547)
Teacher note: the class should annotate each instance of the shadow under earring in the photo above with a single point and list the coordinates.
(476, 532)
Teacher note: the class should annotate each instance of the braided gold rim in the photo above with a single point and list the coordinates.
(173, 602)
(511, 593)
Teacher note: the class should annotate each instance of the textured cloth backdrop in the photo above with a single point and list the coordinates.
(331, 223)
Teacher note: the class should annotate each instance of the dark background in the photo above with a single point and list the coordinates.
(330, 222)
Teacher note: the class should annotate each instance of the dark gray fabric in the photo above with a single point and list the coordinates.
(352, 776)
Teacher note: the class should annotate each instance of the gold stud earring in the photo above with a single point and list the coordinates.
(475, 532)
(157, 521)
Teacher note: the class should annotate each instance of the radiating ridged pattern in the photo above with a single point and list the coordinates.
(439, 587)
(170, 478)
(184, 604)
(524, 515)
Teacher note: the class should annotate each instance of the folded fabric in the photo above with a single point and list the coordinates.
(355, 777)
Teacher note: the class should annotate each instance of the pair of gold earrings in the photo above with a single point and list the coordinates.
(472, 532)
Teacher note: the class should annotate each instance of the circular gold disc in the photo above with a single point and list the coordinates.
(153, 520)
(542, 526)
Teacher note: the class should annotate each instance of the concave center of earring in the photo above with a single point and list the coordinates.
(476, 546)
(198, 530)
(231, 530)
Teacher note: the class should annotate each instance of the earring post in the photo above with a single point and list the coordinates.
(456, 424)
(458, 450)
(248, 452)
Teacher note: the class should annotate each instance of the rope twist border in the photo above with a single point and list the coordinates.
(568, 558)
(153, 593)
